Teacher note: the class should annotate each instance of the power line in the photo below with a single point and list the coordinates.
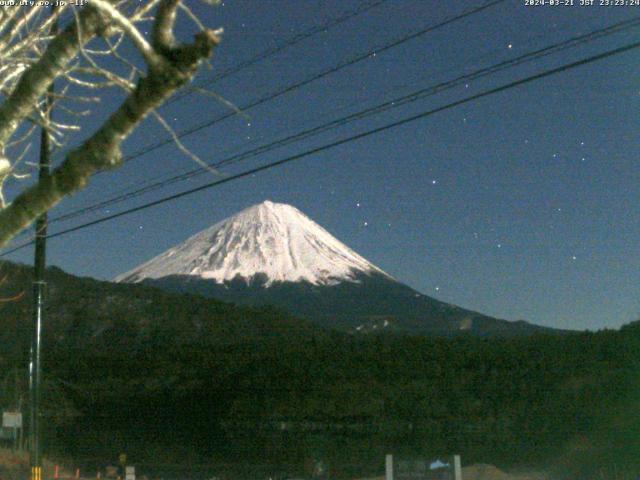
(283, 46)
(317, 76)
(312, 78)
(363, 8)
(349, 139)
(392, 87)
(387, 105)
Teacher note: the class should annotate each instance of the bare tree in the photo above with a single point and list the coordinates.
(85, 58)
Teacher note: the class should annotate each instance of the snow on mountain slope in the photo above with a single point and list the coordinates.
(273, 239)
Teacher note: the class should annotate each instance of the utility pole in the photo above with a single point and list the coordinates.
(35, 368)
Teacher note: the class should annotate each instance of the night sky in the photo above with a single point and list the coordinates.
(521, 205)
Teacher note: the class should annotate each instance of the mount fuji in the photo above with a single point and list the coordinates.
(272, 240)
(273, 254)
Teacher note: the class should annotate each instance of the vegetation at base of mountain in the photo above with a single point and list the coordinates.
(130, 360)
(371, 304)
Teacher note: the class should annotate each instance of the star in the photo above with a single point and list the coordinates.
(366, 224)
(358, 204)
(437, 289)
(433, 182)
(510, 46)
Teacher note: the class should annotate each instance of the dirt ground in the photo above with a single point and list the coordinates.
(489, 472)
(15, 466)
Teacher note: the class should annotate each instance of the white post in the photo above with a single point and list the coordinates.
(457, 467)
(389, 467)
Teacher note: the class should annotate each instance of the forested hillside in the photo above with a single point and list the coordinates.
(126, 363)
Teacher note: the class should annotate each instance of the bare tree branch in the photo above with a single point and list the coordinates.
(169, 67)
(162, 36)
(36, 79)
(149, 54)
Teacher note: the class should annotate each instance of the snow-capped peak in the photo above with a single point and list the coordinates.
(272, 239)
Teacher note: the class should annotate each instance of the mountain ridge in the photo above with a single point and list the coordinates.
(373, 304)
(273, 254)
